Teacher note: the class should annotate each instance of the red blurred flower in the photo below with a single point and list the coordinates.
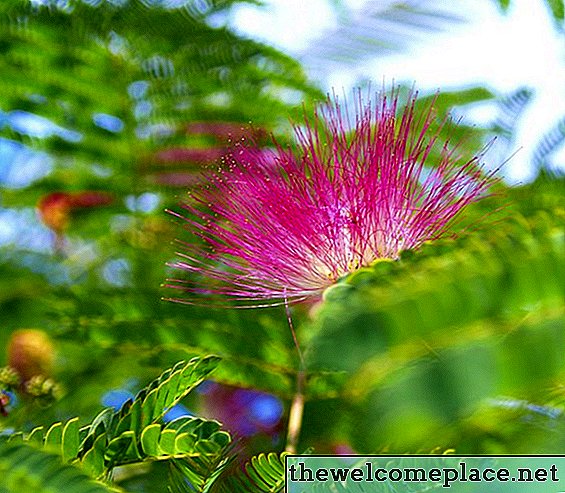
(55, 208)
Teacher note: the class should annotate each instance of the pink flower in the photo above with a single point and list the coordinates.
(282, 225)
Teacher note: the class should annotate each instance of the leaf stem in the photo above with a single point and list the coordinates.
(296, 412)
(297, 406)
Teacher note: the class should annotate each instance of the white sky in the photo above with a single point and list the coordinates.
(503, 52)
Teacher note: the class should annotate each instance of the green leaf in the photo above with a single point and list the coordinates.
(377, 30)
(70, 440)
(66, 55)
(167, 442)
(503, 4)
(426, 342)
(557, 8)
(54, 437)
(498, 275)
(16, 437)
(150, 439)
(24, 468)
(108, 442)
(152, 403)
(115, 452)
(264, 473)
(36, 435)
(184, 443)
(93, 459)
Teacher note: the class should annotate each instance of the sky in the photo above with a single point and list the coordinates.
(501, 52)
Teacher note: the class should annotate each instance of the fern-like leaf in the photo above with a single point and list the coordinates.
(420, 362)
(24, 468)
(136, 433)
(263, 473)
(511, 108)
(377, 29)
(549, 143)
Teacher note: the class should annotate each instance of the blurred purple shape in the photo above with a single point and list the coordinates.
(266, 409)
(206, 387)
(245, 412)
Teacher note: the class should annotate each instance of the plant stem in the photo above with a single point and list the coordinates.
(296, 412)
(297, 406)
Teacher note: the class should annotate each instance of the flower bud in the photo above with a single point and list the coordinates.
(30, 353)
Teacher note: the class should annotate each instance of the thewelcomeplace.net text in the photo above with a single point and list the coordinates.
(446, 476)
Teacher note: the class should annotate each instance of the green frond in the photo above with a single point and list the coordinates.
(421, 294)
(26, 468)
(511, 108)
(263, 473)
(69, 65)
(557, 8)
(549, 143)
(426, 341)
(376, 30)
(136, 432)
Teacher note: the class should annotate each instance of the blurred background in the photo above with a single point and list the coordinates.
(109, 111)
(502, 46)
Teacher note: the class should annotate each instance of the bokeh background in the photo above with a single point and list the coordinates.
(110, 110)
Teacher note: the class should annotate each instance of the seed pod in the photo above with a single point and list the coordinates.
(30, 353)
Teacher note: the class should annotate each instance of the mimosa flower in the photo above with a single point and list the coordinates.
(283, 225)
